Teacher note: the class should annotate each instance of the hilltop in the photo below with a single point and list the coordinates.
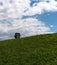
(34, 50)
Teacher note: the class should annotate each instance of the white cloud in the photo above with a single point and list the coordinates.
(29, 25)
(26, 27)
(16, 8)
(19, 8)
(42, 7)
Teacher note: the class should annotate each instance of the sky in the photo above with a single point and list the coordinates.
(28, 17)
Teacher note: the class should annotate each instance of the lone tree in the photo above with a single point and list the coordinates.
(17, 35)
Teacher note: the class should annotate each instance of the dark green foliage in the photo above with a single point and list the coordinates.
(35, 50)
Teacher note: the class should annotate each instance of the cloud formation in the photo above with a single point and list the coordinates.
(11, 10)
(19, 8)
(41, 7)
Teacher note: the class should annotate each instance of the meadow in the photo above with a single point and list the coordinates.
(34, 50)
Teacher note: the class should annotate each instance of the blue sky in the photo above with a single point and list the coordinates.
(29, 17)
(50, 18)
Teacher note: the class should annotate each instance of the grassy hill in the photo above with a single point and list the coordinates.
(34, 50)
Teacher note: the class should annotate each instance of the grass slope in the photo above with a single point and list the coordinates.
(35, 50)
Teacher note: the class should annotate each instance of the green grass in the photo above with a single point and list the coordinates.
(34, 50)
